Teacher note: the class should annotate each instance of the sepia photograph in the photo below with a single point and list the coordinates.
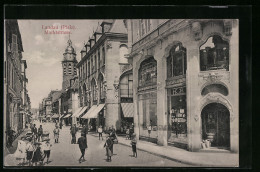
(121, 92)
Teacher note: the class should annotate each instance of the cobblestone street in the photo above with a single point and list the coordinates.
(68, 154)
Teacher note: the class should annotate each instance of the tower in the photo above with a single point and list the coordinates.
(69, 63)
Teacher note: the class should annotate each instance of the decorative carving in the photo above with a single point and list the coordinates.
(214, 77)
(197, 30)
(126, 67)
(228, 27)
(109, 45)
(175, 81)
(196, 117)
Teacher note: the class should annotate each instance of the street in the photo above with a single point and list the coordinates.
(66, 154)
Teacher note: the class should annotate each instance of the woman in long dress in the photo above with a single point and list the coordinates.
(37, 155)
(20, 153)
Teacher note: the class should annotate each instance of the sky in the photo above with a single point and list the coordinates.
(44, 52)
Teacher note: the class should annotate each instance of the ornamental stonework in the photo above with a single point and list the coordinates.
(214, 77)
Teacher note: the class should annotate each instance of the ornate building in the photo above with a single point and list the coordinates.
(100, 68)
(186, 81)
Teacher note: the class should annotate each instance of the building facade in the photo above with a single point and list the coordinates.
(100, 68)
(13, 77)
(186, 81)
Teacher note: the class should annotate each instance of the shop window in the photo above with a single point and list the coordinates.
(214, 54)
(126, 86)
(176, 62)
(148, 73)
(218, 88)
(103, 56)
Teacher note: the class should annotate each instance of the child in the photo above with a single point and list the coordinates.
(133, 143)
(82, 141)
(109, 145)
(100, 131)
(56, 133)
(47, 150)
(127, 133)
(20, 152)
(37, 155)
(29, 148)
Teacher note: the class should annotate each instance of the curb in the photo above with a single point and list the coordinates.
(173, 159)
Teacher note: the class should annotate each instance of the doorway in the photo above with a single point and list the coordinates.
(216, 125)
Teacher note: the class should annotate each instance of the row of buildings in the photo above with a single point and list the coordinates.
(176, 76)
(17, 104)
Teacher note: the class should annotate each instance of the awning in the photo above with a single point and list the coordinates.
(48, 116)
(67, 116)
(128, 109)
(81, 112)
(55, 116)
(89, 112)
(76, 112)
(95, 112)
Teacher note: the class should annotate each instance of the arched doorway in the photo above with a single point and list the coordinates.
(216, 125)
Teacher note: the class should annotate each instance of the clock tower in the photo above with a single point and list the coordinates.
(69, 63)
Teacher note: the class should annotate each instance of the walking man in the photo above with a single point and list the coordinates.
(35, 133)
(40, 132)
(82, 141)
(73, 132)
(56, 133)
(100, 131)
(84, 130)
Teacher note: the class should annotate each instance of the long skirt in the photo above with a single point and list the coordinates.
(108, 152)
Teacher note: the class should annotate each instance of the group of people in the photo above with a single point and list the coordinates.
(33, 148)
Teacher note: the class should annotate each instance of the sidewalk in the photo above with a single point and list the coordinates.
(202, 159)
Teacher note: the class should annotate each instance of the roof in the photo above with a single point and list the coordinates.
(118, 27)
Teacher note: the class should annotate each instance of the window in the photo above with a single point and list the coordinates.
(99, 62)
(148, 73)
(145, 26)
(14, 43)
(176, 62)
(88, 68)
(92, 65)
(126, 86)
(95, 60)
(93, 89)
(101, 87)
(214, 54)
(103, 56)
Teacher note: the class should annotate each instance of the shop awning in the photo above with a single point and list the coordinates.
(67, 116)
(82, 111)
(76, 112)
(128, 109)
(55, 116)
(95, 112)
(89, 112)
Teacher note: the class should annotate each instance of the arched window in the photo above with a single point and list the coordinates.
(148, 73)
(214, 54)
(122, 52)
(93, 89)
(101, 87)
(218, 88)
(126, 86)
(176, 62)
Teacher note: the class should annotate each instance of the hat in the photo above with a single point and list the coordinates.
(46, 140)
(37, 143)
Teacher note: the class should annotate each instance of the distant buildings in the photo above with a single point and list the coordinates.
(16, 99)
(101, 70)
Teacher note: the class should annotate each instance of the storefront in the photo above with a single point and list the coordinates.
(147, 99)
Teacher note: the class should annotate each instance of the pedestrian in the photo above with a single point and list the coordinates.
(131, 131)
(20, 153)
(30, 149)
(60, 124)
(40, 132)
(84, 130)
(37, 155)
(56, 123)
(133, 143)
(82, 141)
(56, 133)
(127, 133)
(47, 150)
(149, 130)
(73, 132)
(34, 131)
(100, 131)
(113, 138)
(109, 146)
